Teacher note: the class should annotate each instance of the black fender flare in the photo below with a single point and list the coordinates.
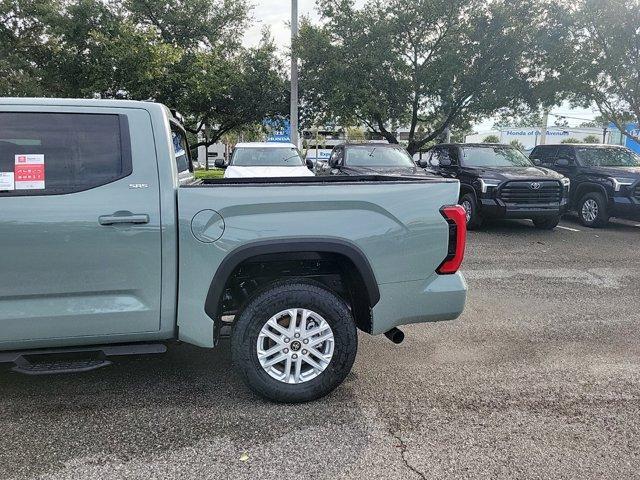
(468, 188)
(586, 187)
(275, 246)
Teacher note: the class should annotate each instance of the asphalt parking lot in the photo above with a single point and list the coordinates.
(538, 379)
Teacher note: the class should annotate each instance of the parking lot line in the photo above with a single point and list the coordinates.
(569, 228)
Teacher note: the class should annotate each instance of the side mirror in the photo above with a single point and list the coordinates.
(445, 162)
(536, 161)
(334, 163)
(310, 164)
(220, 163)
(563, 162)
(422, 163)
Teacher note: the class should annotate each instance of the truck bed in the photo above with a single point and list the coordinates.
(394, 221)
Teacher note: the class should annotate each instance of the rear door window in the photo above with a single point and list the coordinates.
(180, 150)
(59, 153)
(544, 155)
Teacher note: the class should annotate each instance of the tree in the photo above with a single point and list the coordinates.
(592, 139)
(570, 140)
(520, 117)
(491, 139)
(355, 134)
(429, 63)
(602, 63)
(184, 53)
(517, 144)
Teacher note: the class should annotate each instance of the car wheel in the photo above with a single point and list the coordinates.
(546, 223)
(592, 210)
(468, 202)
(294, 341)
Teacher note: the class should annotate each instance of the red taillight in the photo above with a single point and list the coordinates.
(457, 219)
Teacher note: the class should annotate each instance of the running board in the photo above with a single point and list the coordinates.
(70, 360)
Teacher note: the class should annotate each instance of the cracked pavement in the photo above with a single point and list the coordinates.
(538, 379)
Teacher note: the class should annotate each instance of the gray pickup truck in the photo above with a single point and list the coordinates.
(106, 250)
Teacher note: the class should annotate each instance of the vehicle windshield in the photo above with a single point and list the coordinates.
(377, 156)
(266, 157)
(494, 157)
(607, 157)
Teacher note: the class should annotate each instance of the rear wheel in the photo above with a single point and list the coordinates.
(546, 223)
(470, 205)
(295, 341)
(592, 210)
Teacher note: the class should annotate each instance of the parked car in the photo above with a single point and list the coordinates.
(369, 159)
(498, 181)
(605, 179)
(105, 253)
(251, 160)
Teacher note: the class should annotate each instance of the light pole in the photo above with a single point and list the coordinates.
(294, 75)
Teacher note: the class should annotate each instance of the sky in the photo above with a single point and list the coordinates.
(277, 15)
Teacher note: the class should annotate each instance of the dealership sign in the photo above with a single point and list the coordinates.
(632, 129)
(279, 132)
(535, 132)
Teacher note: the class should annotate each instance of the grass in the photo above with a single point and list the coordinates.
(209, 174)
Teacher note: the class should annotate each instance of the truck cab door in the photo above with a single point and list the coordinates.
(80, 244)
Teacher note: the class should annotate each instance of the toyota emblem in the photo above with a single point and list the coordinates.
(535, 186)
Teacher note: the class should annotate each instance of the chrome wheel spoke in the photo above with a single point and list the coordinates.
(268, 353)
(314, 364)
(317, 340)
(298, 369)
(275, 360)
(277, 327)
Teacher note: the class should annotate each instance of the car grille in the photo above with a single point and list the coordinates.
(526, 193)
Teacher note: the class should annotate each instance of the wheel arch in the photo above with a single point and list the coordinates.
(465, 188)
(589, 187)
(265, 248)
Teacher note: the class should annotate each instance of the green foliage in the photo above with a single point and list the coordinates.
(425, 62)
(570, 140)
(597, 61)
(592, 139)
(491, 139)
(356, 134)
(518, 117)
(184, 53)
(517, 144)
(211, 174)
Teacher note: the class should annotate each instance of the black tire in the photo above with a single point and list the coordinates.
(602, 217)
(546, 223)
(283, 295)
(475, 221)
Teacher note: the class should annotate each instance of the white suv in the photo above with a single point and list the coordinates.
(266, 160)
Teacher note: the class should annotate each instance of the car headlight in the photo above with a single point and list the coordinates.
(486, 183)
(618, 183)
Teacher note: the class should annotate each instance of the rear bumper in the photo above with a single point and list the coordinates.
(625, 207)
(441, 297)
(496, 208)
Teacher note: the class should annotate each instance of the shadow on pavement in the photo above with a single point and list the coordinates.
(145, 405)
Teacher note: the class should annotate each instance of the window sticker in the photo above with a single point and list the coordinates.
(29, 172)
(6, 181)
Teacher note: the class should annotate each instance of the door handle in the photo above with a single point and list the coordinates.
(123, 218)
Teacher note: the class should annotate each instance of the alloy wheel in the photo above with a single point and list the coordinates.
(295, 345)
(590, 210)
(467, 209)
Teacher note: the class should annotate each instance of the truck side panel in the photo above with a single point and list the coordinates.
(397, 225)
